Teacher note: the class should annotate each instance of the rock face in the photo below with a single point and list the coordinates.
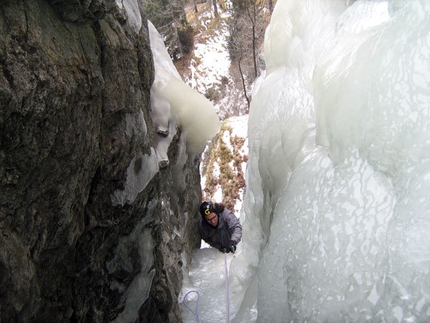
(75, 122)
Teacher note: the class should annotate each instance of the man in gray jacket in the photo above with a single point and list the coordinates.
(219, 227)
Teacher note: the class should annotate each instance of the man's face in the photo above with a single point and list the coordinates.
(212, 219)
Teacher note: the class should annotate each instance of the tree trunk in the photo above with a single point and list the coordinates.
(215, 8)
(271, 6)
(254, 51)
(243, 82)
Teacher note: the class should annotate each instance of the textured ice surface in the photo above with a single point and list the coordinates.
(336, 217)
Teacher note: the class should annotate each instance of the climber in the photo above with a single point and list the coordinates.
(219, 227)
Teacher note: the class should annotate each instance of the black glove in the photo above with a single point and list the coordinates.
(232, 247)
(223, 250)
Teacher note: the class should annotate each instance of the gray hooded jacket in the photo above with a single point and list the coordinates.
(228, 229)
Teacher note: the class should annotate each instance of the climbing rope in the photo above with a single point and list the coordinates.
(195, 313)
(227, 290)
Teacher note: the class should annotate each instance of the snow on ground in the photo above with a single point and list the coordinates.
(239, 125)
(213, 62)
(210, 63)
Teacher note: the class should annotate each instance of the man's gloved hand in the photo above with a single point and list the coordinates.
(223, 250)
(232, 247)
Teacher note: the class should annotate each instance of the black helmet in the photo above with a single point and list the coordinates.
(207, 208)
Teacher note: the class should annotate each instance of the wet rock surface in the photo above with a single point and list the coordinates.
(73, 74)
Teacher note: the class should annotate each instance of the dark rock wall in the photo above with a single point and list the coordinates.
(71, 73)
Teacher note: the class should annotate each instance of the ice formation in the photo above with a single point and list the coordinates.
(173, 104)
(141, 170)
(189, 109)
(138, 291)
(336, 216)
(135, 124)
(131, 7)
(165, 127)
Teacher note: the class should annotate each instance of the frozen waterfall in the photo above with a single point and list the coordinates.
(336, 215)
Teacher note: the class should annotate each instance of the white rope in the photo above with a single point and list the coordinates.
(195, 313)
(227, 290)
